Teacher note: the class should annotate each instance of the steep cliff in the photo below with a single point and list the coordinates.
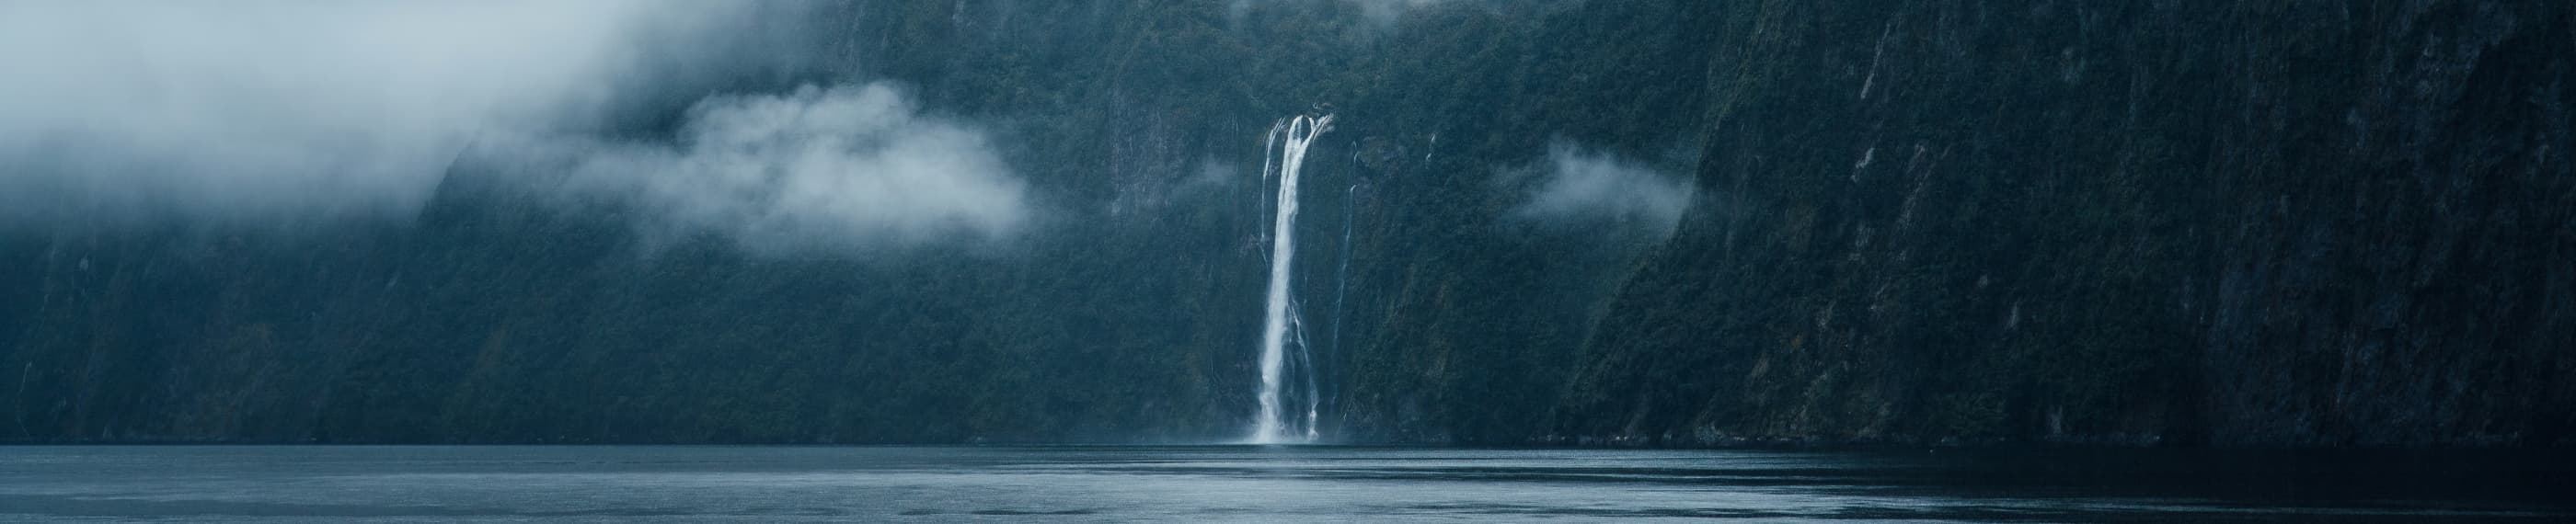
(1651, 223)
(2257, 223)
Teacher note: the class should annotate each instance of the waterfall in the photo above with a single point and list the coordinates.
(1304, 366)
(1269, 168)
(1342, 271)
(1275, 425)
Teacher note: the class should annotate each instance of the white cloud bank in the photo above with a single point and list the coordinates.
(849, 166)
(1589, 187)
(257, 112)
(268, 107)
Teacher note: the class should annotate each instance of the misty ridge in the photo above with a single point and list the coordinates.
(851, 166)
(276, 111)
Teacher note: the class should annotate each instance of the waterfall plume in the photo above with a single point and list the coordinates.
(1275, 425)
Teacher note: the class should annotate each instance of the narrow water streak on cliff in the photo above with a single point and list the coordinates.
(1342, 271)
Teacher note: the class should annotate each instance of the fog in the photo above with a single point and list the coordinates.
(1579, 187)
(847, 166)
(1380, 14)
(272, 111)
(275, 109)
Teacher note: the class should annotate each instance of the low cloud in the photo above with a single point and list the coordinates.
(1380, 14)
(299, 111)
(843, 167)
(1387, 12)
(257, 111)
(1579, 187)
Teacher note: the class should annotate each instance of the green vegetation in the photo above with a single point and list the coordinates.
(2266, 223)
(2248, 223)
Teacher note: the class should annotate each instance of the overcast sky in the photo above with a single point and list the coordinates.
(265, 107)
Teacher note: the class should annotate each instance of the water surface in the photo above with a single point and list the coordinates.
(1252, 483)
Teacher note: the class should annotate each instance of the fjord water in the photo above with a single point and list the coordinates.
(1264, 483)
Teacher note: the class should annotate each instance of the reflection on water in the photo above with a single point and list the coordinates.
(1246, 483)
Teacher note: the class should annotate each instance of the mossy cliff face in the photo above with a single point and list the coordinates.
(1128, 312)
(2265, 223)
(2259, 223)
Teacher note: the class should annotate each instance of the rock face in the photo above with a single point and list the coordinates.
(2258, 223)
(2253, 223)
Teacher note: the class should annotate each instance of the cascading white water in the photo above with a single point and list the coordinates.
(1274, 426)
(1342, 272)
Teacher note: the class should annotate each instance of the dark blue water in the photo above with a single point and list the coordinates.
(1284, 484)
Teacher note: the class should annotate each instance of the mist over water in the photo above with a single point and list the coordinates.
(1258, 484)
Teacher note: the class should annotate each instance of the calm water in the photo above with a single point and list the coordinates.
(1197, 484)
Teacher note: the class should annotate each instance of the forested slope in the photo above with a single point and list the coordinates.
(2254, 223)
(2259, 223)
